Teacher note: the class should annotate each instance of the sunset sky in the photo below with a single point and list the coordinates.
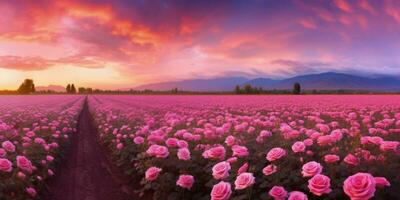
(120, 44)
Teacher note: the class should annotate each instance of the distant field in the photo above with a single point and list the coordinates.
(202, 147)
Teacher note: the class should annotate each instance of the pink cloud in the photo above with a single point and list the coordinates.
(343, 5)
(24, 63)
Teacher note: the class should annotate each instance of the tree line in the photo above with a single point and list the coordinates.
(28, 87)
(249, 89)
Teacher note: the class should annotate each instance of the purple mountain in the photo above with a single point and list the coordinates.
(322, 81)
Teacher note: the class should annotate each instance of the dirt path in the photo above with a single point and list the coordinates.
(86, 173)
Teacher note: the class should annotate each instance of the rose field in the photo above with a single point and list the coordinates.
(33, 131)
(211, 147)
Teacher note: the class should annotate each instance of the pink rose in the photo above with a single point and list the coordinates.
(232, 160)
(158, 151)
(138, 140)
(185, 181)
(172, 142)
(5, 165)
(278, 193)
(21, 175)
(152, 173)
(49, 158)
(183, 144)
(308, 142)
(311, 168)
(324, 140)
(275, 154)
(298, 147)
(296, 195)
(381, 182)
(270, 169)
(8, 146)
(215, 153)
(24, 164)
(351, 160)
(183, 154)
(319, 184)
(221, 170)
(244, 180)
(360, 186)
(243, 168)
(31, 191)
(389, 145)
(2, 153)
(230, 140)
(240, 151)
(330, 158)
(221, 191)
(120, 146)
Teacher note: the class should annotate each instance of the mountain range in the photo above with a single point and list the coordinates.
(321, 81)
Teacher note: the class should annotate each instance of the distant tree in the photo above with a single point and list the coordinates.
(68, 88)
(237, 89)
(296, 88)
(27, 87)
(82, 90)
(73, 89)
(174, 91)
(248, 89)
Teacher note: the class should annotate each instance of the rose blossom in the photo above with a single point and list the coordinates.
(296, 195)
(152, 173)
(221, 191)
(311, 168)
(308, 142)
(230, 140)
(31, 191)
(239, 151)
(331, 158)
(270, 169)
(275, 154)
(138, 140)
(183, 154)
(351, 160)
(8, 146)
(298, 147)
(215, 153)
(2, 153)
(319, 184)
(278, 193)
(389, 145)
(360, 186)
(158, 151)
(244, 180)
(5, 165)
(172, 142)
(221, 170)
(381, 182)
(243, 168)
(24, 164)
(185, 181)
(21, 175)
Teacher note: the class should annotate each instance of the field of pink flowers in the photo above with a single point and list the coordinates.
(253, 147)
(33, 131)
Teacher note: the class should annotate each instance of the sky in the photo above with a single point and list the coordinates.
(114, 44)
